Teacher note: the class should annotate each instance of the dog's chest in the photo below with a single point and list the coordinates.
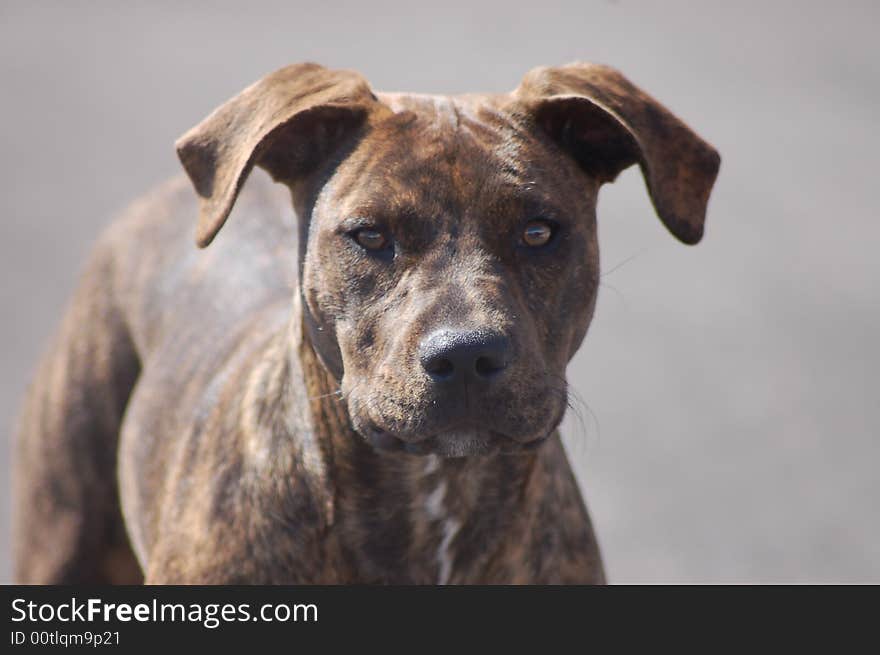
(412, 539)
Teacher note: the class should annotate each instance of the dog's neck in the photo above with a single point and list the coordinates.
(391, 517)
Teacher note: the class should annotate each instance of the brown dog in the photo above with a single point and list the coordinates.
(370, 394)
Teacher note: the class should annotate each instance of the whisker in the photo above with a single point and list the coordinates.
(576, 403)
(619, 294)
(595, 419)
(625, 261)
(337, 393)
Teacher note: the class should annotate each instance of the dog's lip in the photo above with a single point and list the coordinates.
(385, 440)
(487, 442)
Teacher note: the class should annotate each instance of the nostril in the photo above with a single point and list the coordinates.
(488, 366)
(455, 356)
(439, 367)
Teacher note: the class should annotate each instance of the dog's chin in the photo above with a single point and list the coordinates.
(452, 443)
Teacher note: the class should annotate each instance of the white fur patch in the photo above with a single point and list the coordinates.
(436, 510)
(444, 556)
(432, 464)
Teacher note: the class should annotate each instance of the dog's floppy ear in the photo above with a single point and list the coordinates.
(608, 124)
(286, 123)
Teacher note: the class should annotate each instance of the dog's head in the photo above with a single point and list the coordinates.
(448, 253)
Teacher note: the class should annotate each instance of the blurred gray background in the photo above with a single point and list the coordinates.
(732, 430)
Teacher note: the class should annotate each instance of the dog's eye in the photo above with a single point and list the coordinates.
(537, 233)
(371, 239)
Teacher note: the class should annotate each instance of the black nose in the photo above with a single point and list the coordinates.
(451, 355)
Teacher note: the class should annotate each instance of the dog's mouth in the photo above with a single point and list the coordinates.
(450, 443)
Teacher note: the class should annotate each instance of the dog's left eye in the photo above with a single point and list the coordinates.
(371, 239)
(537, 233)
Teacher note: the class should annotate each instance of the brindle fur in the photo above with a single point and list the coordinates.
(206, 416)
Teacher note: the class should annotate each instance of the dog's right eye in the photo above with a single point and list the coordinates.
(538, 233)
(371, 239)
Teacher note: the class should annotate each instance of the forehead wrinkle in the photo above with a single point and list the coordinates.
(445, 162)
(503, 153)
(524, 158)
(531, 175)
(447, 113)
(395, 170)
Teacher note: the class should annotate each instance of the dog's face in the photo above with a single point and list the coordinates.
(453, 256)
(449, 261)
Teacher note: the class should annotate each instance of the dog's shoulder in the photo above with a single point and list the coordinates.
(166, 282)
